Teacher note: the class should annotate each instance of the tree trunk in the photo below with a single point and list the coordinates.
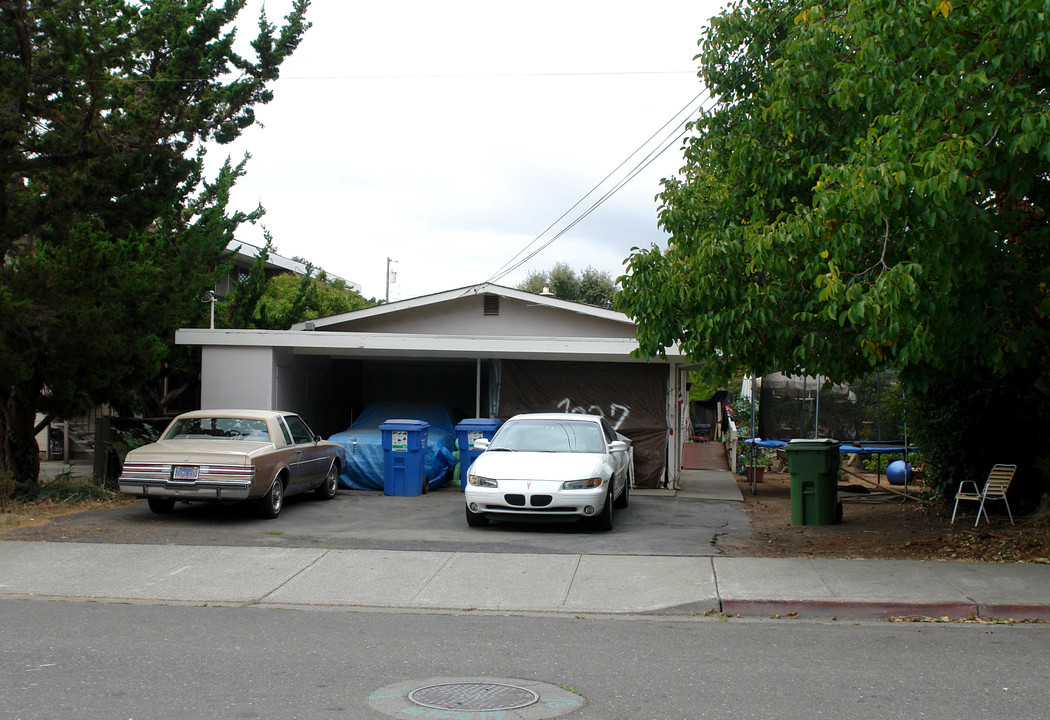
(19, 453)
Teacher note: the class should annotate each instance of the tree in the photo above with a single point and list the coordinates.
(871, 190)
(290, 299)
(840, 208)
(108, 230)
(593, 287)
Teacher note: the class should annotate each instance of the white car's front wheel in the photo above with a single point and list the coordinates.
(604, 520)
(476, 519)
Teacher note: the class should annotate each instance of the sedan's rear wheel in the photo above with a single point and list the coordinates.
(604, 521)
(476, 519)
(271, 503)
(330, 486)
(160, 505)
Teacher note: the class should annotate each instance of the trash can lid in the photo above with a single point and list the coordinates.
(802, 443)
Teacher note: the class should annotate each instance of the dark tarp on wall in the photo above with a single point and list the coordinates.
(630, 397)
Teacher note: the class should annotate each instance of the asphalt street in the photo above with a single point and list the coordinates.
(118, 660)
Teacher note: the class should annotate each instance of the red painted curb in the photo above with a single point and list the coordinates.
(1014, 611)
(847, 608)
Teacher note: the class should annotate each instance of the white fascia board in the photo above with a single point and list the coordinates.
(344, 344)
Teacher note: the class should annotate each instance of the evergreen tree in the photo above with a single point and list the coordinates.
(109, 232)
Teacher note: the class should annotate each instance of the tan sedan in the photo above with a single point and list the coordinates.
(233, 455)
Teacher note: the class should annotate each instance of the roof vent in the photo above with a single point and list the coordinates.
(491, 304)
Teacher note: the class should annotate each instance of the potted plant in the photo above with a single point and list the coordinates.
(757, 466)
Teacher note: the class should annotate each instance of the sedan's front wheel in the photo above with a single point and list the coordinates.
(271, 503)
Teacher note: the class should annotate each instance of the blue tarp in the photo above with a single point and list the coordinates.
(363, 442)
(875, 448)
(766, 443)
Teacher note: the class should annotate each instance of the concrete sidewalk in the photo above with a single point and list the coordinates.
(577, 584)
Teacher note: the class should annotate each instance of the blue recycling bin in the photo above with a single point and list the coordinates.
(404, 457)
(467, 431)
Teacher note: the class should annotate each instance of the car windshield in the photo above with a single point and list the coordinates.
(550, 436)
(217, 428)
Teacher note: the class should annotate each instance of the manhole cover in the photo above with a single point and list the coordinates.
(477, 696)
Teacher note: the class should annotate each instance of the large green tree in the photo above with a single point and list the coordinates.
(109, 231)
(869, 189)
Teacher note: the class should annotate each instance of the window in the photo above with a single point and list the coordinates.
(300, 432)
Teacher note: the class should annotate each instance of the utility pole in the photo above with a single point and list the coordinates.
(209, 297)
(388, 261)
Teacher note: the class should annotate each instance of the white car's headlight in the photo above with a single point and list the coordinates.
(582, 484)
(478, 481)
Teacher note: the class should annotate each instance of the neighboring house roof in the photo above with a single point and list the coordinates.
(478, 321)
(246, 253)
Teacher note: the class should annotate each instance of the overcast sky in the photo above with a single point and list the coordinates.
(450, 135)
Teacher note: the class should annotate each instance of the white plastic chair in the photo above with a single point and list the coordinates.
(994, 489)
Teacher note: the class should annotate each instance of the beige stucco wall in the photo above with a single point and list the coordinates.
(465, 316)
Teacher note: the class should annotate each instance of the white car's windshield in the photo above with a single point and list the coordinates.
(550, 436)
(218, 428)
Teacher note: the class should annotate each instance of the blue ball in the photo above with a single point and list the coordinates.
(898, 472)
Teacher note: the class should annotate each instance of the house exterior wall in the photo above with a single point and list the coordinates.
(466, 316)
(445, 348)
(237, 377)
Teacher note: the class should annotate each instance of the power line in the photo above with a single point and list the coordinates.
(513, 264)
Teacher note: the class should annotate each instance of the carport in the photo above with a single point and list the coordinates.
(486, 350)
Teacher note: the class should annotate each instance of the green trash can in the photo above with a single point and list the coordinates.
(814, 467)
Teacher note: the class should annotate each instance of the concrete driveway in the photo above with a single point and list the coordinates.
(657, 522)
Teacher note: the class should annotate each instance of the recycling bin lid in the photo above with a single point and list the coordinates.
(485, 423)
(403, 424)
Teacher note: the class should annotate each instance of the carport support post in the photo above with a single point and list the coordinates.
(477, 391)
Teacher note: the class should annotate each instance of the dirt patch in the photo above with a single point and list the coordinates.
(34, 515)
(877, 523)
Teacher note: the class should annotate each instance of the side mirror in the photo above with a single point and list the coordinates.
(617, 446)
(481, 444)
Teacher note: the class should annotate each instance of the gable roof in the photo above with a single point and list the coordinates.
(347, 320)
(478, 321)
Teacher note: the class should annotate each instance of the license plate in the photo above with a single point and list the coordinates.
(184, 472)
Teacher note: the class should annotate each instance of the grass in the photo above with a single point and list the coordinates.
(64, 494)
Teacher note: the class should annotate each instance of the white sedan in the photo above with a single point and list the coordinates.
(553, 466)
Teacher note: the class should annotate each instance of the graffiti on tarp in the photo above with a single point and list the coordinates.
(616, 416)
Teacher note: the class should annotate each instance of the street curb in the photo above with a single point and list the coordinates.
(1013, 611)
(845, 609)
